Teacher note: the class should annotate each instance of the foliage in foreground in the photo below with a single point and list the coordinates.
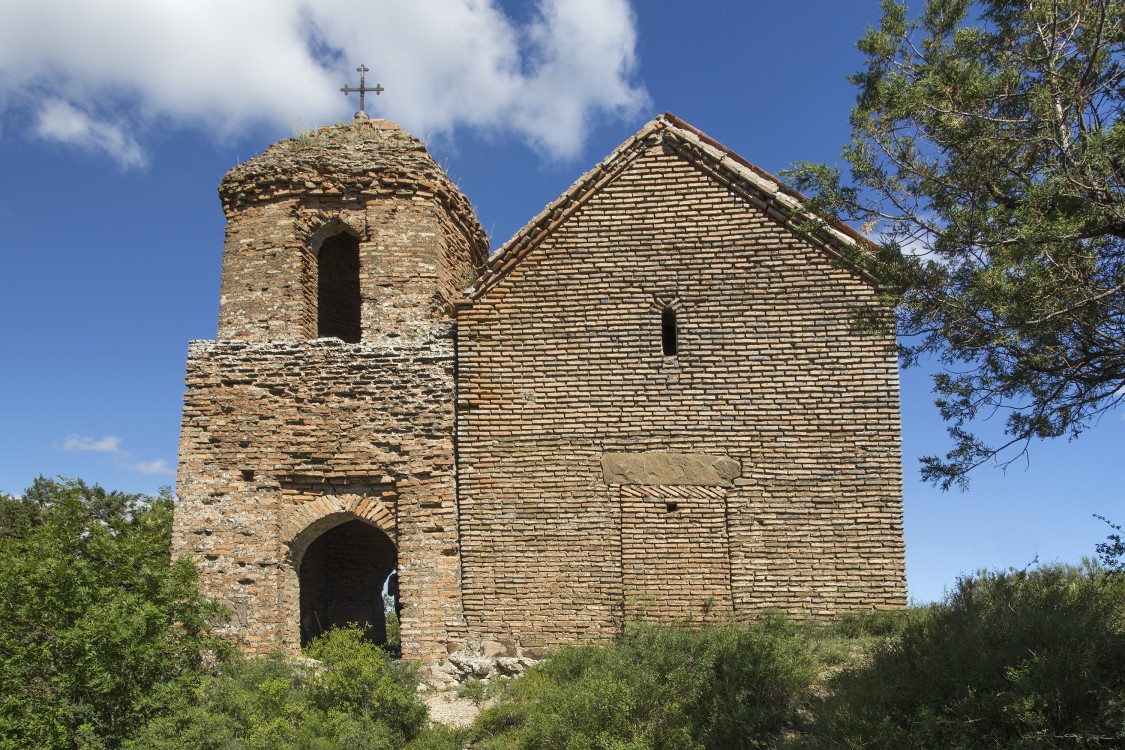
(1111, 552)
(1009, 660)
(721, 687)
(356, 698)
(101, 639)
(97, 626)
(987, 150)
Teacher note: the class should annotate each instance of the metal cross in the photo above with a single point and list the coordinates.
(362, 89)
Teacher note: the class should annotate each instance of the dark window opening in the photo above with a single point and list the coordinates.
(337, 294)
(668, 333)
(671, 507)
(342, 577)
(248, 475)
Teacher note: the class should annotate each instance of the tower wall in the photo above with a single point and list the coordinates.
(286, 435)
(281, 437)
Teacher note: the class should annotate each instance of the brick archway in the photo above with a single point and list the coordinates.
(311, 521)
(341, 576)
(330, 510)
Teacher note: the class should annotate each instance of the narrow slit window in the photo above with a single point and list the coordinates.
(668, 332)
(338, 298)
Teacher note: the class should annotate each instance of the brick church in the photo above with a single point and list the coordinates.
(651, 403)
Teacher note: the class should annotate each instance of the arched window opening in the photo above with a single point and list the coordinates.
(668, 332)
(338, 300)
(342, 577)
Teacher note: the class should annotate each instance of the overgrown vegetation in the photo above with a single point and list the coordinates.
(721, 687)
(103, 645)
(1009, 660)
(309, 137)
(355, 698)
(98, 627)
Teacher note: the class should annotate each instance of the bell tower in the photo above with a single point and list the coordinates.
(317, 442)
(349, 230)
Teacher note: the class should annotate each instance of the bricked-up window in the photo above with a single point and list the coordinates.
(668, 332)
(338, 300)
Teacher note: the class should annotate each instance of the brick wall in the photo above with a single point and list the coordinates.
(544, 466)
(417, 233)
(281, 442)
(560, 362)
(285, 437)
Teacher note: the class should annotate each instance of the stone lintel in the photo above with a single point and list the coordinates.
(663, 468)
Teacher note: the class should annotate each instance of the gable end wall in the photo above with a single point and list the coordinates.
(560, 363)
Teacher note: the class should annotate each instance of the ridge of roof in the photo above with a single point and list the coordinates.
(779, 200)
(840, 226)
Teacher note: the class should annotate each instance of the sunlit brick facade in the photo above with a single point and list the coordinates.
(652, 403)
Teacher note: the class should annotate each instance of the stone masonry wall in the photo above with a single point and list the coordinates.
(773, 434)
(282, 441)
(285, 437)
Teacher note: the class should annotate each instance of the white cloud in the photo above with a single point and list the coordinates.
(112, 445)
(157, 466)
(584, 50)
(61, 121)
(107, 444)
(223, 65)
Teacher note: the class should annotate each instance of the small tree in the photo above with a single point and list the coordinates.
(97, 624)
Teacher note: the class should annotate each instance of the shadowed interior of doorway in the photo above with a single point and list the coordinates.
(342, 577)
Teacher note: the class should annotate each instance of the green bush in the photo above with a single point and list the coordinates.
(1009, 660)
(357, 698)
(879, 623)
(722, 687)
(98, 627)
(360, 678)
(438, 737)
(393, 644)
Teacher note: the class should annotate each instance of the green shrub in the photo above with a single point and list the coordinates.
(879, 623)
(359, 677)
(474, 690)
(1009, 660)
(438, 737)
(355, 699)
(98, 627)
(393, 644)
(721, 687)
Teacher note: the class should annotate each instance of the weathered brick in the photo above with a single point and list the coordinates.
(507, 439)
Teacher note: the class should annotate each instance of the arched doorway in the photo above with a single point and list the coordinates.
(342, 574)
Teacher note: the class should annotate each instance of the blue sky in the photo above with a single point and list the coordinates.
(117, 120)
